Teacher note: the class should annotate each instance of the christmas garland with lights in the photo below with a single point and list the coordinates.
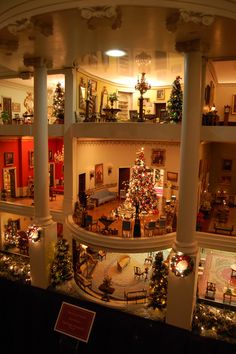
(182, 265)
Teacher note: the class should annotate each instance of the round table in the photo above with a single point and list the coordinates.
(233, 270)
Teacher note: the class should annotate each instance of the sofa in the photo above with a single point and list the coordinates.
(103, 196)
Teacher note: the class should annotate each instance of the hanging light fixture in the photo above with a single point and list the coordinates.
(59, 155)
(143, 58)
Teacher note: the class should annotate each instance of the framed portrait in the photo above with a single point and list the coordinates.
(98, 174)
(158, 157)
(94, 86)
(16, 107)
(172, 176)
(31, 159)
(233, 109)
(8, 158)
(50, 157)
(161, 94)
(227, 165)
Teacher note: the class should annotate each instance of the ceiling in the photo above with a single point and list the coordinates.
(78, 38)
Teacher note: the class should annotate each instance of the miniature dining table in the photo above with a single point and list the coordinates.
(106, 221)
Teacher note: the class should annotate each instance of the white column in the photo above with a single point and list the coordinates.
(41, 174)
(182, 291)
(70, 179)
(41, 252)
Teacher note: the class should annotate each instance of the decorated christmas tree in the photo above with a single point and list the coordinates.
(59, 102)
(61, 268)
(175, 103)
(158, 283)
(141, 193)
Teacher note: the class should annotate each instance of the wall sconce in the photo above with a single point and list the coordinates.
(109, 170)
(34, 233)
(91, 174)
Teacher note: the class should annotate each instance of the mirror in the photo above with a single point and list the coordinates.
(82, 94)
(104, 99)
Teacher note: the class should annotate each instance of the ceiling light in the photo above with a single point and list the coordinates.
(115, 53)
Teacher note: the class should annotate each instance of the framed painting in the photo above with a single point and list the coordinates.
(158, 157)
(8, 158)
(161, 94)
(233, 110)
(98, 174)
(31, 159)
(227, 165)
(172, 176)
(16, 107)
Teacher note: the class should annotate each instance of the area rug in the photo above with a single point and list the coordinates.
(121, 280)
(217, 270)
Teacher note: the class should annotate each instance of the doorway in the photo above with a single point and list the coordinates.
(9, 181)
(124, 176)
(51, 174)
(82, 183)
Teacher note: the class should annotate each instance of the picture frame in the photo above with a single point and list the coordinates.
(8, 158)
(233, 108)
(50, 156)
(16, 107)
(172, 176)
(158, 157)
(227, 164)
(94, 86)
(161, 94)
(31, 159)
(98, 174)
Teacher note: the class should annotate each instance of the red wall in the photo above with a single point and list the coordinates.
(21, 148)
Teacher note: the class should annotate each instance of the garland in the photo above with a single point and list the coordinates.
(181, 265)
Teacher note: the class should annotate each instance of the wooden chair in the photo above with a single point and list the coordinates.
(89, 223)
(138, 272)
(149, 228)
(210, 291)
(126, 228)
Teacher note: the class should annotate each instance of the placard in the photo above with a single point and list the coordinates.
(75, 321)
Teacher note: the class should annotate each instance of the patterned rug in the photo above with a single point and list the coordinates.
(217, 270)
(121, 280)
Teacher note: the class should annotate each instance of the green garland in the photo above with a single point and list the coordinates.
(175, 262)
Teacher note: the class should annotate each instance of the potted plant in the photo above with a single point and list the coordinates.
(5, 117)
(112, 98)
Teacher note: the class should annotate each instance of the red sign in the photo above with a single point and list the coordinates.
(75, 321)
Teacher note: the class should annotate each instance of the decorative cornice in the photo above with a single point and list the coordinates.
(126, 142)
(33, 24)
(184, 16)
(101, 15)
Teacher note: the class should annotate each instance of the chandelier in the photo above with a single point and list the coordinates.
(142, 85)
(143, 58)
(59, 155)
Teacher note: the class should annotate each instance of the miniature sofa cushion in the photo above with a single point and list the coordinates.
(103, 196)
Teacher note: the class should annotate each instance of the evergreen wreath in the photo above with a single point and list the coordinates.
(187, 265)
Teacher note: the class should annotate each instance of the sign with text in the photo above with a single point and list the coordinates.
(75, 321)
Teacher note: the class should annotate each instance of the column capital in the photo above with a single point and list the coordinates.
(195, 45)
(37, 62)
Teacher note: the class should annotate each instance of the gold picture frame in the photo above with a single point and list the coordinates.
(161, 94)
(233, 109)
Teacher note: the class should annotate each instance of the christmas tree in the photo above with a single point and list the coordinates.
(59, 102)
(175, 103)
(141, 193)
(158, 283)
(61, 268)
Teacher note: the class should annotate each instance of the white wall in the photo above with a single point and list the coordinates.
(120, 154)
(224, 96)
